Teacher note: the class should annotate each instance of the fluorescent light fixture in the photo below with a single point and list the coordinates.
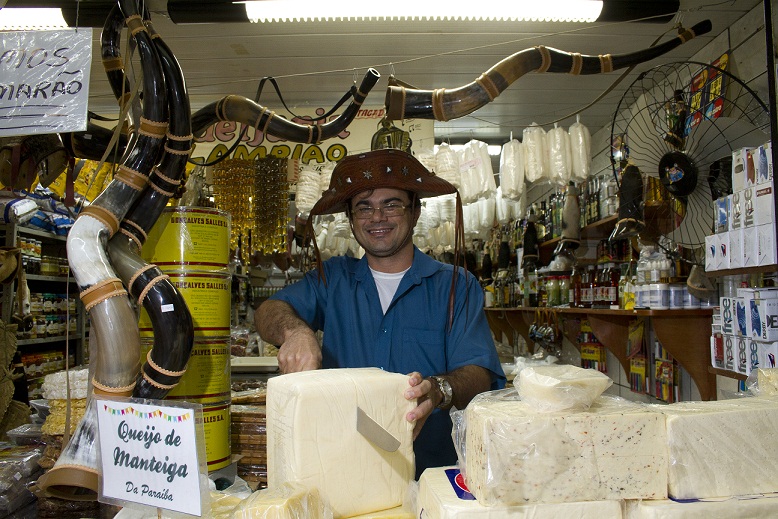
(530, 10)
(31, 19)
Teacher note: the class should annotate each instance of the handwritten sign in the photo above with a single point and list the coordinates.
(149, 455)
(44, 81)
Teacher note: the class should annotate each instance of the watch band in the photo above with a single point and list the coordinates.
(444, 386)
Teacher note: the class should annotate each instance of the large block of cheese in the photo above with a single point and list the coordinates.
(722, 448)
(517, 455)
(749, 506)
(443, 495)
(312, 437)
(287, 501)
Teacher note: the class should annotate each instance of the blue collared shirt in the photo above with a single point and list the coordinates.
(412, 336)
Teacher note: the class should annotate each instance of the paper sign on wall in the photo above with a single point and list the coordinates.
(44, 81)
(149, 455)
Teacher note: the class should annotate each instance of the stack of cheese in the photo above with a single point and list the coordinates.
(313, 440)
(573, 453)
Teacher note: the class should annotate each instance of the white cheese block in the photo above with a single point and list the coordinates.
(750, 506)
(312, 437)
(559, 387)
(399, 512)
(442, 495)
(518, 455)
(722, 448)
(287, 501)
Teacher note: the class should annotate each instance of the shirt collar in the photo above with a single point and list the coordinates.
(422, 266)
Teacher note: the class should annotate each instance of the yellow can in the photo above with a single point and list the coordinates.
(196, 238)
(216, 427)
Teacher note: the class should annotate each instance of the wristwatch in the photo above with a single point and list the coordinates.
(446, 390)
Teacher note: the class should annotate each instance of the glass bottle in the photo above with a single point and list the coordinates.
(575, 289)
(564, 290)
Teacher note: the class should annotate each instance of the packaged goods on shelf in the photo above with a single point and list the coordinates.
(312, 439)
(444, 495)
(518, 455)
(721, 448)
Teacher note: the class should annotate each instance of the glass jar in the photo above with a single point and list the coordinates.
(552, 291)
(564, 290)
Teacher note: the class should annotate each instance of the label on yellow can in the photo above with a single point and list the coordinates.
(216, 426)
(191, 237)
(207, 295)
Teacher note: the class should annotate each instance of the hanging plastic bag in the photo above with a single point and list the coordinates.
(477, 175)
(512, 169)
(581, 150)
(559, 155)
(447, 164)
(535, 154)
(308, 189)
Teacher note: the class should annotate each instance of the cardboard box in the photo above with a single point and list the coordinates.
(766, 353)
(764, 204)
(764, 163)
(752, 157)
(741, 355)
(740, 166)
(724, 259)
(748, 206)
(736, 253)
(765, 237)
(721, 214)
(750, 247)
(740, 317)
(763, 320)
(729, 352)
(726, 311)
(736, 208)
(717, 350)
(711, 253)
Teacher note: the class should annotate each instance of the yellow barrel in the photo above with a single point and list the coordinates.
(216, 425)
(207, 295)
(196, 238)
(207, 377)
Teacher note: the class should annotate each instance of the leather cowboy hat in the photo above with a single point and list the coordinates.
(385, 168)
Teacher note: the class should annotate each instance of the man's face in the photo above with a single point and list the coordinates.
(382, 235)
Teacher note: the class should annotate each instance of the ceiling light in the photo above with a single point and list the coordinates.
(31, 19)
(531, 10)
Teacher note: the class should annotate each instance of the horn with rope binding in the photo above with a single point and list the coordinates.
(244, 110)
(114, 331)
(446, 104)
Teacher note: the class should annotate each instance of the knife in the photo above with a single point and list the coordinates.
(376, 434)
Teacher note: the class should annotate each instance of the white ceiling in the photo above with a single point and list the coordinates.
(315, 63)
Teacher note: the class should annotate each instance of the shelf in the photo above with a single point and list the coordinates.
(40, 233)
(727, 373)
(51, 279)
(46, 340)
(744, 270)
(683, 333)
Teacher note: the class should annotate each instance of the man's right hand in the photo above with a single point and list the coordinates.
(299, 352)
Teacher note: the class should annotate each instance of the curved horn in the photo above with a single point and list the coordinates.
(173, 330)
(443, 105)
(114, 328)
(246, 111)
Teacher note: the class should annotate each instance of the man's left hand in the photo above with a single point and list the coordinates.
(427, 397)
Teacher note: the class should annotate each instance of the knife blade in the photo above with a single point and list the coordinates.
(376, 434)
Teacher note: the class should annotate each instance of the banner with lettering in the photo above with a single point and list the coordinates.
(152, 455)
(356, 138)
(44, 81)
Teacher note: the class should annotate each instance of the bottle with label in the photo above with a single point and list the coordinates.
(575, 289)
(611, 294)
(542, 291)
(587, 287)
(530, 284)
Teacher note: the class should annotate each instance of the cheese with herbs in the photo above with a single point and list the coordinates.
(518, 455)
(722, 448)
(312, 437)
(443, 495)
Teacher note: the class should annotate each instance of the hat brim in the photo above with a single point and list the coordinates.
(385, 168)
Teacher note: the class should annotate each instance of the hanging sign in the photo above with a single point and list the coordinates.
(149, 455)
(44, 81)
(355, 138)
(708, 93)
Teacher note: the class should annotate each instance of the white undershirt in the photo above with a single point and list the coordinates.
(387, 285)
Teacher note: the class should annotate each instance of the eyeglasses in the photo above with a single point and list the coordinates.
(365, 212)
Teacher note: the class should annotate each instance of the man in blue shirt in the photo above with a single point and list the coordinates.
(395, 308)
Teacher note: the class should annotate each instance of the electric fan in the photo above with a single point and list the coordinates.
(673, 134)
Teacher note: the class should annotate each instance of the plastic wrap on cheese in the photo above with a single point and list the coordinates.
(443, 495)
(285, 501)
(398, 512)
(559, 387)
(767, 381)
(745, 506)
(722, 448)
(515, 454)
(312, 437)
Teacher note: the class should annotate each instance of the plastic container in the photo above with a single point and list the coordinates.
(677, 295)
(659, 296)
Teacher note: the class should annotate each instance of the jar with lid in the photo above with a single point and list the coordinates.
(552, 291)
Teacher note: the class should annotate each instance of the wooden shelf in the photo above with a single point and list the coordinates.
(744, 270)
(727, 373)
(683, 333)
